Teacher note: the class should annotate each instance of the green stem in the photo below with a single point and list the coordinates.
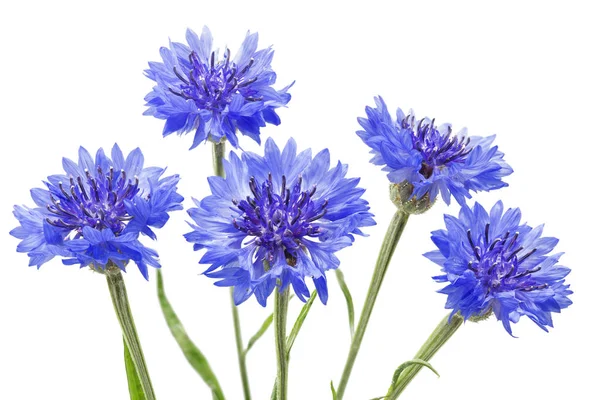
(118, 293)
(218, 152)
(279, 321)
(388, 246)
(436, 340)
(240, 349)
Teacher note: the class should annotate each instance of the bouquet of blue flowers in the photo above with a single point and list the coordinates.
(275, 221)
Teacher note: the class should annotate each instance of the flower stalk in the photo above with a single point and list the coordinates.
(279, 321)
(118, 293)
(388, 247)
(218, 152)
(444, 331)
(240, 349)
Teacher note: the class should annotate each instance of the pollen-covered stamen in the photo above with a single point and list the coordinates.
(181, 78)
(530, 271)
(534, 287)
(487, 234)
(514, 253)
(497, 264)
(475, 248)
(213, 85)
(247, 67)
(280, 219)
(248, 82)
(513, 241)
(82, 188)
(62, 189)
(94, 200)
(438, 150)
(526, 256)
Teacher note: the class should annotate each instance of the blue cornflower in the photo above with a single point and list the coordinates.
(430, 158)
(94, 214)
(280, 217)
(196, 90)
(493, 262)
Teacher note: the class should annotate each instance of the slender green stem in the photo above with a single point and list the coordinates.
(294, 333)
(218, 152)
(118, 293)
(240, 349)
(436, 340)
(279, 320)
(388, 246)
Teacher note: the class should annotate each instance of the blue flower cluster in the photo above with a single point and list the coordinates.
(276, 220)
(197, 90)
(93, 215)
(432, 158)
(494, 263)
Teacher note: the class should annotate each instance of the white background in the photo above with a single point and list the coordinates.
(72, 75)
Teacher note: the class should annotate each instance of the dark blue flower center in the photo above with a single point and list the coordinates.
(496, 264)
(438, 150)
(212, 86)
(279, 221)
(97, 201)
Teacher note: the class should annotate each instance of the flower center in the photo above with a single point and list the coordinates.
(212, 86)
(279, 221)
(438, 150)
(496, 264)
(94, 201)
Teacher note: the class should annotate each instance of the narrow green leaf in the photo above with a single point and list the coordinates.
(259, 334)
(133, 380)
(299, 321)
(405, 365)
(349, 303)
(333, 393)
(191, 352)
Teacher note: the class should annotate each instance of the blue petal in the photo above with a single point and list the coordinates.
(174, 123)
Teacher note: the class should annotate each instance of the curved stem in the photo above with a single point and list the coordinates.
(118, 293)
(436, 340)
(218, 152)
(279, 320)
(388, 246)
(240, 349)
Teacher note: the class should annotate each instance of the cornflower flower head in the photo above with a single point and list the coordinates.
(431, 159)
(276, 220)
(494, 263)
(93, 215)
(214, 96)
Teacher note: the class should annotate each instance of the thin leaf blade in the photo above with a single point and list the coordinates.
(194, 356)
(405, 365)
(348, 296)
(259, 334)
(136, 392)
(333, 393)
(299, 321)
